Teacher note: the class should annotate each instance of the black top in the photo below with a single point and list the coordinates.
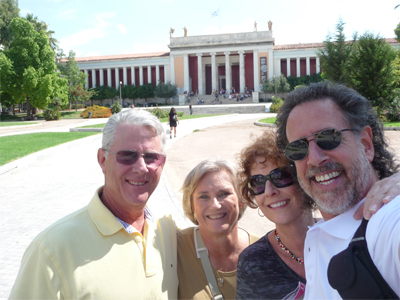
(262, 274)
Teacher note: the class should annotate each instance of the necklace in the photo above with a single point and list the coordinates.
(300, 260)
(221, 280)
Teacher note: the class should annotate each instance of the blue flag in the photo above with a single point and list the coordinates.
(215, 13)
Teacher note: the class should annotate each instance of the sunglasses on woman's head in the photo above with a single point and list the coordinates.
(327, 139)
(151, 159)
(278, 178)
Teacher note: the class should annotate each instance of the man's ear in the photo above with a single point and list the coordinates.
(367, 142)
(101, 159)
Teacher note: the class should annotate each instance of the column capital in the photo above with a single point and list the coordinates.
(241, 51)
(199, 54)
(227, 52)
(213, 53)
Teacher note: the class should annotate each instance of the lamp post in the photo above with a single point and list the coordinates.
(275, 84)
(120, 91)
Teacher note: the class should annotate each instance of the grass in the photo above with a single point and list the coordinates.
(4, 124)
(93, 126)
(16, 146)
(71, 114)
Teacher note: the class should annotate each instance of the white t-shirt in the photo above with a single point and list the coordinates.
(326, 239)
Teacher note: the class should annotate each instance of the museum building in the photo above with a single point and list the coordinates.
(203, 64)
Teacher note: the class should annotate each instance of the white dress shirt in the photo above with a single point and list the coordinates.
(326, 239)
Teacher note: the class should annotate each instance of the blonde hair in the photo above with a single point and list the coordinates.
(196, 175)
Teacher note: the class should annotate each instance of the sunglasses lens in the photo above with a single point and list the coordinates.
(280, 178)
(296, 150)
(127, 157)
(256, 184)
(153, 159)
(329, 139)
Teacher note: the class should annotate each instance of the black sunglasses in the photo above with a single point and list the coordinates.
(327, 139)
(278, 178)
(127, 157)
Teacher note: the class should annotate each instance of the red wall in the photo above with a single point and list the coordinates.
(284, 67)
(235, 78)
(97, 77)
(303, 67)
(313, 66)
(129, 76)
(105, 77)
(249, 71)
(145, 81)
(137, 77)
(90, 78)
(293, 68)
(193, 73)
(208, 80)
(153, 76)
(121, 76)
(162, 74)
(113, 78)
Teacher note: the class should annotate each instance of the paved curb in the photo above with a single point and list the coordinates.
(86, 129)
(20, 126)
(264, 124)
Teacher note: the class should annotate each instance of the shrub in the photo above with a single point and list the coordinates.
(77, 106)
(116, 108)
(160, 113)
(52, 114)
(276, 104)
(392, 113)
(97, 112)
(180, 114)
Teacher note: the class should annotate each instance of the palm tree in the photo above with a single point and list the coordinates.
(39, 26)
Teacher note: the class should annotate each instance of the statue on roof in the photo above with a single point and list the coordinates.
(255, 26)
(171, 31)
(270, 25)
(184, 31)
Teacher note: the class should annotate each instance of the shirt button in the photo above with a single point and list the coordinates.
(309, 250)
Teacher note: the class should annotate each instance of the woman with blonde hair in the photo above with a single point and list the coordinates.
(208, 253)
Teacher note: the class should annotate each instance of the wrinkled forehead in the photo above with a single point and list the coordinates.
(312, 117)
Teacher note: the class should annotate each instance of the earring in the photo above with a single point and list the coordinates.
(260, 213)
(194, 217)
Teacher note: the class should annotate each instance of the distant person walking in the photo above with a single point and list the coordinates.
(190, 109)
(173, 121)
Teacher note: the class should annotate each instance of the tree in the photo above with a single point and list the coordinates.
(276, 85)
(76, 80)
(39, 26)
(8, 11)
(335, 53)
(166, 90)
(146, 91)
(373, 70)
(397, 32)
(27, 69)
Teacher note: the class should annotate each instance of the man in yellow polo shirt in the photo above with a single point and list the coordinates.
(112, 248)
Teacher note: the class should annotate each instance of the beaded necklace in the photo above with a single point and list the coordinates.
(300, 260)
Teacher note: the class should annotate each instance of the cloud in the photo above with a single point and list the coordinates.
(121, 28)
(106, 15)
(152, 47)
(247, 25)
(92, 53)
(67, 14)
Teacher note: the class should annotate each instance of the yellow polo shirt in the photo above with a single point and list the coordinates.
(89, 255)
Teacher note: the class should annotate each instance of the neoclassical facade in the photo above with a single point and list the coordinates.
(203, 64)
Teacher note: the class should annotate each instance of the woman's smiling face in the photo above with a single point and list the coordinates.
(216, 203)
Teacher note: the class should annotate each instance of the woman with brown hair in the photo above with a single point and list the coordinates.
(172, 121)
(273, 267)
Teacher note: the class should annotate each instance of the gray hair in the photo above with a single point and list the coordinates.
(134, 117)
(196, 175)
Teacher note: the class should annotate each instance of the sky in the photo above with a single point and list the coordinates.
(109, 27)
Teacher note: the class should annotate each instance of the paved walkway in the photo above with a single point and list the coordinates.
(57, 181)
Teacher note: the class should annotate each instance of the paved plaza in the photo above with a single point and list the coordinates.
(62, 179)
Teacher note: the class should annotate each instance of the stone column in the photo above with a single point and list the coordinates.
(287, 66)
(171, 68)
(87, 79)
(148, 74)
(133, 75)
(125, 76)
(117, 78)
(141, 75)
(298, 66)
(101, 77)
(228, 72)
(317, 63)
(241, 71)
(256, 71)
(165, 74)
(278, 67)
(109, 77)
(157, 74)
(186, 73)
(308, 65)
(93, 78)
(213, 71)
(271, 64)
(200, 74)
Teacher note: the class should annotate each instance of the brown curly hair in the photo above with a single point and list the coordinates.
(265, 146)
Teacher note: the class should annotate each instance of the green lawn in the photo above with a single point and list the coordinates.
(4, 124)
(273, 119)
(71, 114)
(16, 146)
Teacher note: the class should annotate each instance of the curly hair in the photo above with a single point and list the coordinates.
(357, 112)
(265, 146)
(194, 177)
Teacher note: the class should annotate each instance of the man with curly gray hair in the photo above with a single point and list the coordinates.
(113, 248)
